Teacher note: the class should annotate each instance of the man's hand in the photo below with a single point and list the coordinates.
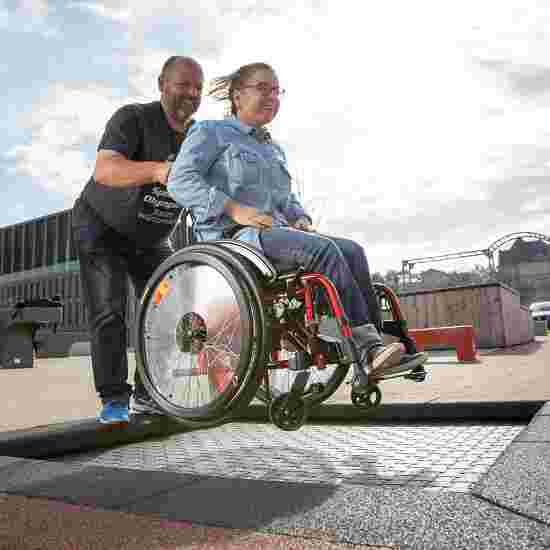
(162, 172)
(303, 224)
(115, 170)
(247, 215)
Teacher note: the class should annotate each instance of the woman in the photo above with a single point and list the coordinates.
(235, 180)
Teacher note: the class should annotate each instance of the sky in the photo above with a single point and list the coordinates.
(416, 128)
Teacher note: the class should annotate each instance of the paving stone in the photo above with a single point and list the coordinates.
(371, 455)
(520, 480)
(8, 460)
(537, 431)
(21, 475)
(544, 410)
(246, 503)
(411, 519)
(108, 488)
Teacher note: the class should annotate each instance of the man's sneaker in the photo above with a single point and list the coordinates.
(114, 412)
(145, 405)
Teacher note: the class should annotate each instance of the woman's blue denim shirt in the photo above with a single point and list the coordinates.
(218, 160)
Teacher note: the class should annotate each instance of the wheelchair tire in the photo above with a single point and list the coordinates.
(196, 339)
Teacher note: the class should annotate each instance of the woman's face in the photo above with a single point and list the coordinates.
(257, 100)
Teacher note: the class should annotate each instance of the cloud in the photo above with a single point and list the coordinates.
(65, 127)
(525, 79)
(37, 9)
(418, 128)
(29, 16)
(117, 14)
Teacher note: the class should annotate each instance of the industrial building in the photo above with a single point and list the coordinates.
(526, 267)
(38, 260)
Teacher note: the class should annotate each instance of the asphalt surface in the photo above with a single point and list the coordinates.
(459, 461)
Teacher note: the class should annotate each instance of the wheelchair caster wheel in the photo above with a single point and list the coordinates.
(288, 413)
(369, 399)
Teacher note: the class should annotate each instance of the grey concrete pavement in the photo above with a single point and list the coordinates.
(222, 488)
(60, 390)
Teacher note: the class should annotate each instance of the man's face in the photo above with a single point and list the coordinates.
(181, 90)
(257, 100)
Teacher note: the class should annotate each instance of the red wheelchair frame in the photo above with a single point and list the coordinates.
(281, 315)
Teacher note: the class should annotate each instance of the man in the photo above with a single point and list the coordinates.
(122, 221)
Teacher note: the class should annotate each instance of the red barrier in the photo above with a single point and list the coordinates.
(462, 338)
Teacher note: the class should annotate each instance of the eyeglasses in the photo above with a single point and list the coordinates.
(265, 89)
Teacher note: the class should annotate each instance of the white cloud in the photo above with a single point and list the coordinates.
(411, 125)
(33, 8)
(61, 125)
(118, 14)
(29, 16)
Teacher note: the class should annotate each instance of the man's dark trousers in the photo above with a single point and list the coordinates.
(107, 260)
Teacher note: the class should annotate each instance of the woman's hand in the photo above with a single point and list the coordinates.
(247, 215)
(303, 224)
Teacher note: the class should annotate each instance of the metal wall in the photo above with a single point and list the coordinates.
(37, 243)
(38, 260)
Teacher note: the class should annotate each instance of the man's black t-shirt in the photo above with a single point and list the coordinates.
(146, 214)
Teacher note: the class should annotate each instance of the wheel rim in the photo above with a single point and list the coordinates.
(370, 399)
(194, 338)
(287, 413)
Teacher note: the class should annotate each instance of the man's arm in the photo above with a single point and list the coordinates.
(119, 145)
(115, 170)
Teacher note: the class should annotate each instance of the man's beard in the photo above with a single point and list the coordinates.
(182, 110)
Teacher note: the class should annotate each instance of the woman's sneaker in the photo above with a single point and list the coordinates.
(114, 412)
(408, 361)
(377, 360)
(384, 357)
(145, 405)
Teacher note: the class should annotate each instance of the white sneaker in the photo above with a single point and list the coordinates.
(145, 405)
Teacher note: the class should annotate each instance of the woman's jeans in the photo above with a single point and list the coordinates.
(107, 260)
(343, 261)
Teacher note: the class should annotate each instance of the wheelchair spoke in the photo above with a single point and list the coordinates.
(193, 336)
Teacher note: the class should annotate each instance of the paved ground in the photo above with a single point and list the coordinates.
(57, 390)
(322, 487)
(436, 457)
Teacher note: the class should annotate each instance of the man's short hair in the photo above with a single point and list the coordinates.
(174, 60)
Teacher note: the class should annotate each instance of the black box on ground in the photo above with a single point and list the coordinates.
(18, 326)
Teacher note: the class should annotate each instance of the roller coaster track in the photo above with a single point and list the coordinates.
(408, 264)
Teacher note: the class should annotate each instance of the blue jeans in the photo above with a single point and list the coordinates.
(343, 261)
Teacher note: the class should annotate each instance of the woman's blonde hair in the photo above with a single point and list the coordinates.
(222, 88)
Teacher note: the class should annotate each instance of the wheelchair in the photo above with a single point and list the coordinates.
(218, 326)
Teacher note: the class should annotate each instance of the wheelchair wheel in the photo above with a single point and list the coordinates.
(369, 399)
(196, 339)
(288, 413)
